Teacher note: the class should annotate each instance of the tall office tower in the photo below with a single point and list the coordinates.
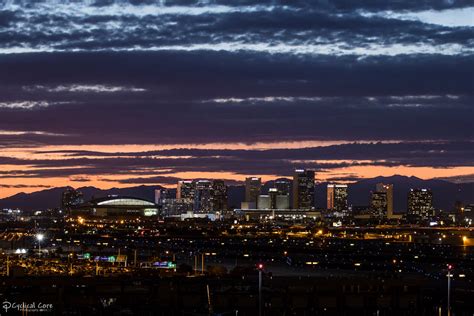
(160, 196)
(330, 196)
(281, 192)
(387, 188)
(283, 186)
(253, 187)
(303, 189)
(71, 198)
(378, 204)
(264, 202)
(273, 200)
(185, 190)
(420, 203)
(219, 196)
(273, 193)
(283, 202)
(202, 196)
(337, 197)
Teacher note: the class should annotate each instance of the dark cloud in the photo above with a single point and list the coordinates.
(163, 180)
(141, 165)
(171, 110)
(349, 178)
(147, 180)
(24, 186)
(79, 179)
(447, 152)
(180, 72)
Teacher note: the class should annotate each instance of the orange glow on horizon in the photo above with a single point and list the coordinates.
(13, 185)
(113, 181)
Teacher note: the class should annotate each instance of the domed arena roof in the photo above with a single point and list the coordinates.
(119, 206)
(121, 201)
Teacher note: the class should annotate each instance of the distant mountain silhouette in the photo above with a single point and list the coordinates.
(445, 193)
(51, 198)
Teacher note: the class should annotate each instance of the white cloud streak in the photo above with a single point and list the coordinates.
(21, 133)
(99, 88)
(24, 105)
(462, 17)
(126, 9)
(268, 99)
(335, 49)
(29, 105)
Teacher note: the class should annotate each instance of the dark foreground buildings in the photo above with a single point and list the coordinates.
(234, 295)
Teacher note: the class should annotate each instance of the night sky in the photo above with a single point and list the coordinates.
(122, 93)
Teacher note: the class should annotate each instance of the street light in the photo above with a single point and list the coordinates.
(260, 268)
(39, 237)
(450, 267)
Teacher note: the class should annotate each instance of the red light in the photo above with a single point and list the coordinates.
(260, 266)
(450, 267)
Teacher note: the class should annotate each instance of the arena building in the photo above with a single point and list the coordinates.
(118, 206)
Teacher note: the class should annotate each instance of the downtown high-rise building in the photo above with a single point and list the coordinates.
(337, 197)
(71, 198)
(283, 186)
(219, 196)
(378, 204)
(160, 196)
(185, 189)
(176, 207)
(388, 189)
(303, 189)
(420, 203)
(253, 186)
(202, 196)
(273, 200)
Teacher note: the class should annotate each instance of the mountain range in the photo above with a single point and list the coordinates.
(445, 193)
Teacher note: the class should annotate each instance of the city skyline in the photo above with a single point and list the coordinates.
(257, 157)
(376, 195)
(332, 89)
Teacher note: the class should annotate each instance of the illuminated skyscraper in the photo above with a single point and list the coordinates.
(219, 196)
(203, 196)
(337, 197)
(273, 200)
(253, 187)
(283, 201)
(185, 190)
(283, 186)
(71, 198)
(378, 204)
(160, 196)
(420, 203)
(303, 189)
(176, 207)
(264, 202)
(388, 189)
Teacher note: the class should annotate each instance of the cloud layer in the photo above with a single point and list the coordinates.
(345, 85)
(287, 27)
